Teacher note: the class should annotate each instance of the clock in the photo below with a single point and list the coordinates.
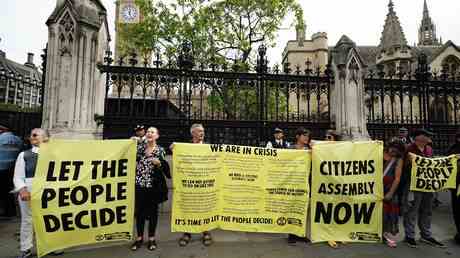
(129, 13)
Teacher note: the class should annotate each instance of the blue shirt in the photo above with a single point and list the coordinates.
(10, 146)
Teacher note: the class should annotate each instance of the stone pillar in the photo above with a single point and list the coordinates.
(74, 89)
(348, 107)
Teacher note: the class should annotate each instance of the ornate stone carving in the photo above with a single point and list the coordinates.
(66, 34)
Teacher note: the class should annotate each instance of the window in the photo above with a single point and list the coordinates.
(452, 64)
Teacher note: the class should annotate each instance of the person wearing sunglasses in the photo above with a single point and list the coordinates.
(332, 136)
(139, 132)
(278, 141)
(303, 141)
(23, 174)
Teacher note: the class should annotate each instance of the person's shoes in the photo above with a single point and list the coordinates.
(433, 242)
(292, 239)
(137, 244)
(25, 254)
(152, 245)
(410, 242)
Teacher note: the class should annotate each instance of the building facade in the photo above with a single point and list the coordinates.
(20, 84)
(393, 53)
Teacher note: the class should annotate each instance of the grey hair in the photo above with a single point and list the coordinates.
(194, 126)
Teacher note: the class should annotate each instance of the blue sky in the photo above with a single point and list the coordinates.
(23, 29)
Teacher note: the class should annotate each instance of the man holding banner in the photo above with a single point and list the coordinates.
(23, 174)
(417, 205)
(197, 132)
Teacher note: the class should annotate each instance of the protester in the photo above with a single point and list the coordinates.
(278, 141)
(10, 146)
(417, 205)
(151, 188)
(429, 152)
(393, 165)
(404, 136)
(303, 140)
(23, 174)
(455, 149)
(197, 132)
(139, 132)
(332, 136)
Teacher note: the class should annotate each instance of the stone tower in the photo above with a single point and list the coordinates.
(126, 12)
(427, 30)
(394, 52)
(78, 37)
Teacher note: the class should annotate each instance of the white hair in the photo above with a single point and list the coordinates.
(194, 126)
(44, 132)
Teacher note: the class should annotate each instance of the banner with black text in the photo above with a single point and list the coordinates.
(239, 188)
(433, 174)
(347, 192)
(83, 193)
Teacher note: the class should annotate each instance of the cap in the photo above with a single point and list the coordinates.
(139, 127)
(278, 130)
(403, 130)
(423, 131)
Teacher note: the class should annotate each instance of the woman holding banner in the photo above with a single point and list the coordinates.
(332, 136)
(455, 149)
(303, 141)
(151, 188)
(393, 165)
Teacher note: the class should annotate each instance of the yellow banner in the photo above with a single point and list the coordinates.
(239, 188)
(433, 174)
(347, 192)
(83, 193)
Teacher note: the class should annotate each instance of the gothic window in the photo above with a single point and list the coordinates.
(66, 34)
(452, 63)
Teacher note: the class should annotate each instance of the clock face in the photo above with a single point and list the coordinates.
(129, 13)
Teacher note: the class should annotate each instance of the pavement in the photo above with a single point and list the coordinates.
(229, 244)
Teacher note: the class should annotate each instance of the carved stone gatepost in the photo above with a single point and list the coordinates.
(348, 108)
(74, 89)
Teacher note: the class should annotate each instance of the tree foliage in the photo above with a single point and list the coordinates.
(220, 31)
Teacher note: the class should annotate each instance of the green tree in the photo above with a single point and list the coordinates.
(220, 31)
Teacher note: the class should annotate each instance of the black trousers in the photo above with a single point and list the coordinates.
(146, 210)
(7, 199)
(456, 209)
